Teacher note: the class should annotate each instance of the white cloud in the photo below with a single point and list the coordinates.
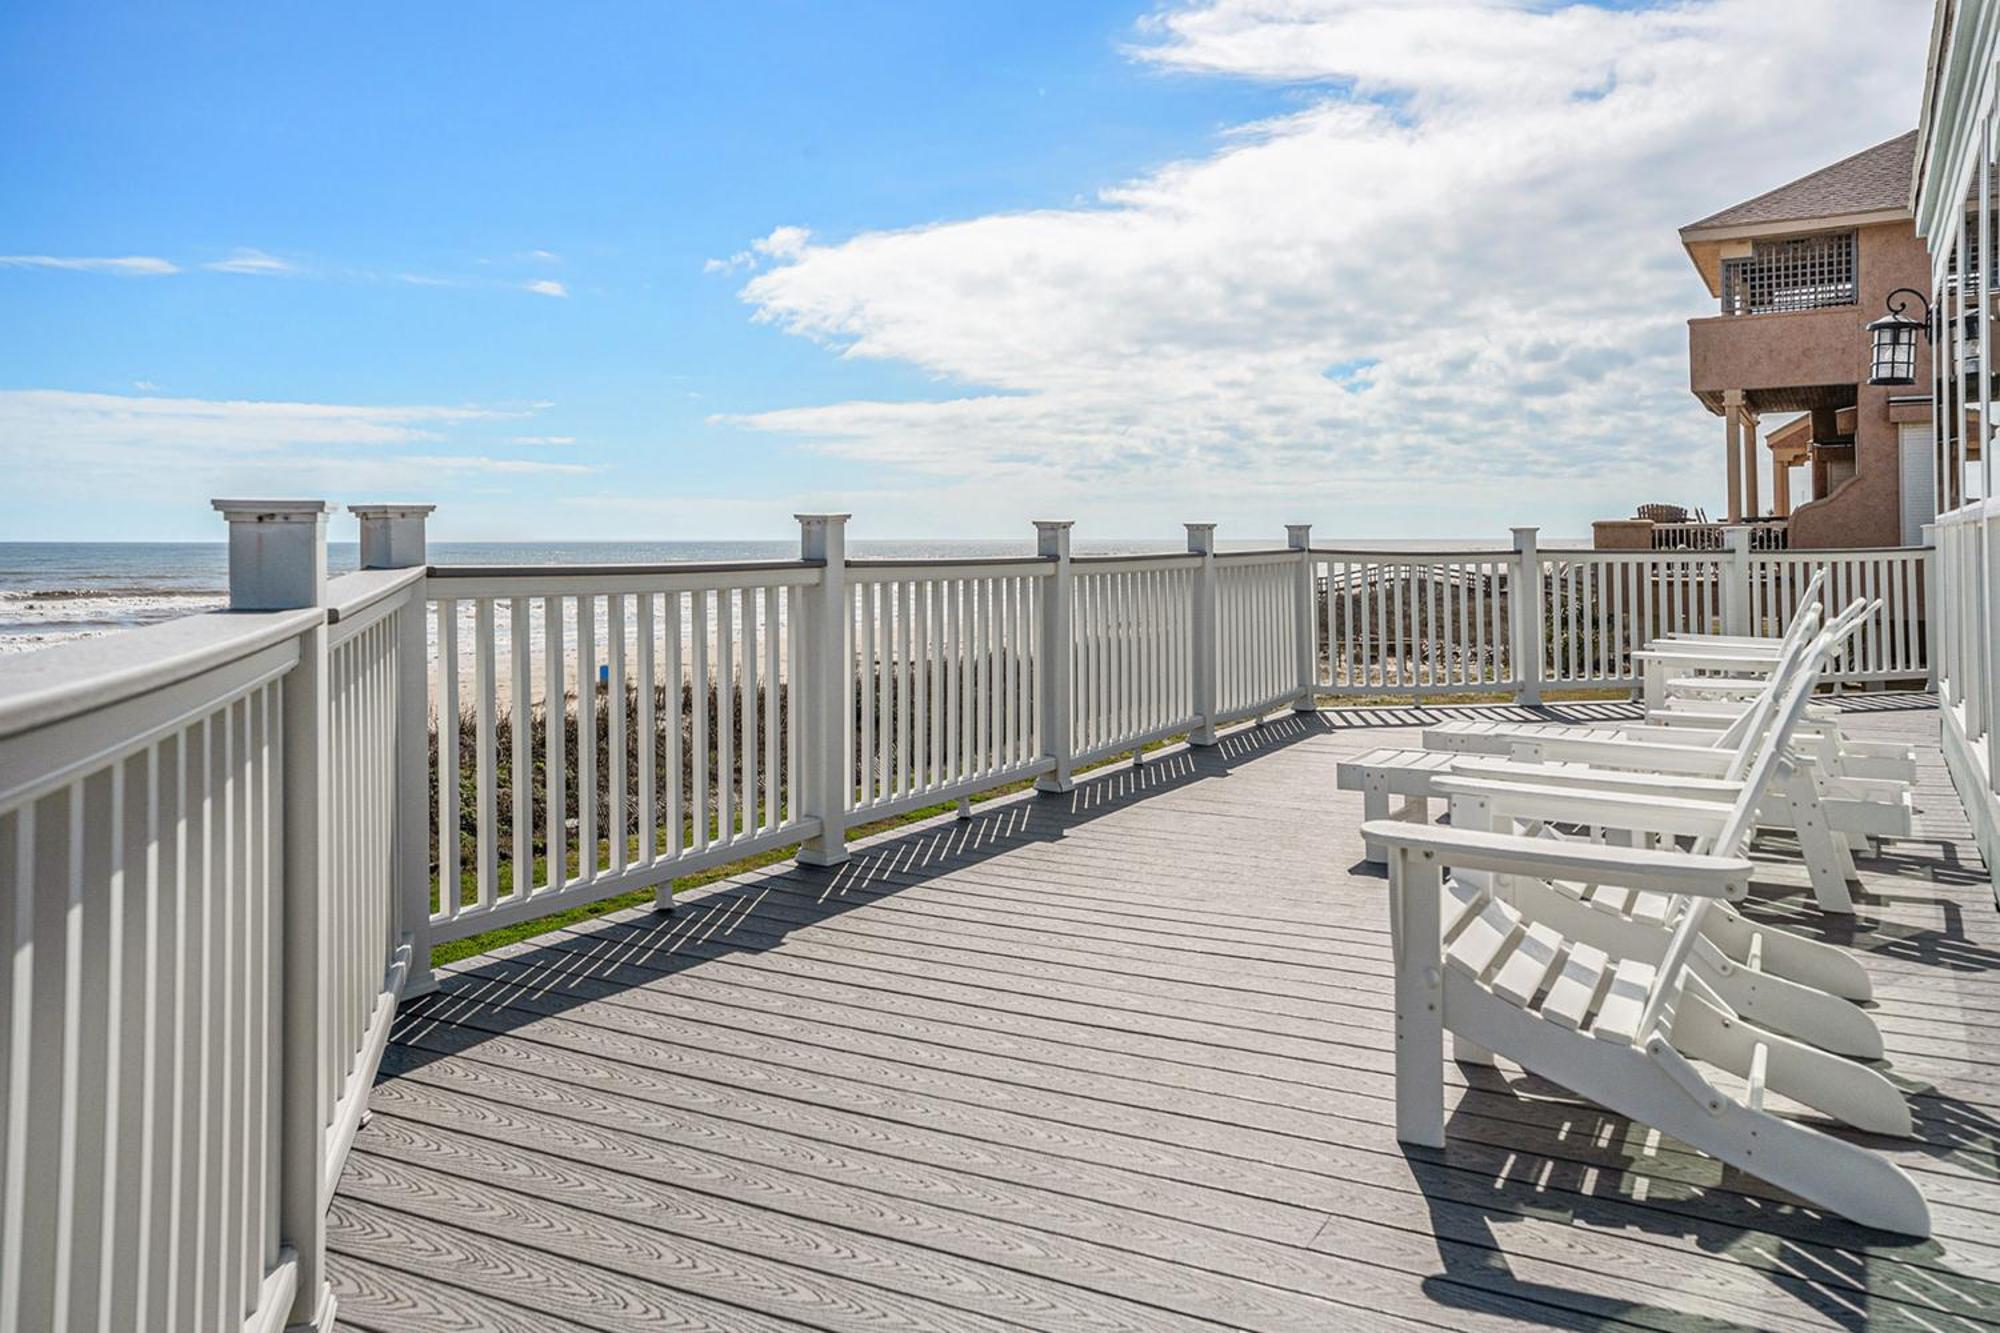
(545, 287)
(145, 266)
(1452, 272)
(57, 443)
(783, 243)
(542, 439)
(254, 262)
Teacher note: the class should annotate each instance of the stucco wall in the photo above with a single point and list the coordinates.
(1827, 347)
(1866, 511)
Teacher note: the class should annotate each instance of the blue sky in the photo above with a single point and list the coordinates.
(653, 271)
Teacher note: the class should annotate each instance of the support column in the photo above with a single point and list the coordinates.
(277, 562)
(1732, 435)
(392, 537)
(1298, 537)
(1781, 487)
(1752, 466)
(1201, 541)
(827, 690)
(1053, 688)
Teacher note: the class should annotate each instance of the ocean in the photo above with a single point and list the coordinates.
(53, 592)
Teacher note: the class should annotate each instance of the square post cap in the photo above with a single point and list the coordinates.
(277, 553)
(823, 537)
(1200, 537)
(392, 535)
(1298, 536)
(272, 511)
(391, 511)
(1052, 536)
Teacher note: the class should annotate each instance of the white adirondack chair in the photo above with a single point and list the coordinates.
(1870, 768)
(1824, 811)
(1622, 1032)
(1772, 977)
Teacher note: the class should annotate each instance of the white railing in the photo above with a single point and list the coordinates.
(1603, 606)
(229, 844)
(1432, 623)
(946, 661)
(1966, 614)
(201, 857)
(1438, 624)
(651, 707)
(1132, 652)
(1256, 633)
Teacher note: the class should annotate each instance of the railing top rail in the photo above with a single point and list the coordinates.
(1367, 553)
(1834, 552)
(635, 569)
(351, 594)
(938, 566)
(1260, 553)
(68, 679)
(1138, 558)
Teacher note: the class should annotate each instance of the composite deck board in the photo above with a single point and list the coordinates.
(1121, 1059)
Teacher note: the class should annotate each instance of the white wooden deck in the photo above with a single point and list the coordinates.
(1119, 1060)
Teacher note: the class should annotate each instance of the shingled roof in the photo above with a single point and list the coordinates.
(1872, 181)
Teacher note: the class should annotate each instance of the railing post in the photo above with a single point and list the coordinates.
(1053, 687)
(1932, 572)
(1201, 541)
(1733, 572)
(827, 696)
(1524, 613)
(392, 537)
(1298, 537)
(277, 562)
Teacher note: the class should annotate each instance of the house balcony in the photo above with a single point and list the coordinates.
(1784, 361)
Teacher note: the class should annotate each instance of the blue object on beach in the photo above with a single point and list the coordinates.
(604, 673)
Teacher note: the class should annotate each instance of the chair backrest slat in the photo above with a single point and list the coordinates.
(1739, 823)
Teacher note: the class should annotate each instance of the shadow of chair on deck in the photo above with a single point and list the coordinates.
(1521, 1150)
(515, 986)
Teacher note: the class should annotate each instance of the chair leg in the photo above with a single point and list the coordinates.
(1828, 863)
(1416, 883)
(1374, 805)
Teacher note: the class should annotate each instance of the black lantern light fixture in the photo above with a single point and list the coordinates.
(1894, 339)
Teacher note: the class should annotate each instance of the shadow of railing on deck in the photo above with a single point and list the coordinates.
(496, 993)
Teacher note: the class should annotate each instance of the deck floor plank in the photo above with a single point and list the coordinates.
(1120, 1060)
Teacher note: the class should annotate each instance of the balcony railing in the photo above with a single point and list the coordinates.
(228, 843)
(1802, 273)
(1700, 536)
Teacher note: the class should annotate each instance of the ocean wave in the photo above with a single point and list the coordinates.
(10, 596)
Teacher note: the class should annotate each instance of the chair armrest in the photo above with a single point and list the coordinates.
(1630, 782)
(1643, 754)
(1598, 809)
(1720, 656)
(1592, 863)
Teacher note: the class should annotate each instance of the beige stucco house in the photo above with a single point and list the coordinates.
(1814, 455)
